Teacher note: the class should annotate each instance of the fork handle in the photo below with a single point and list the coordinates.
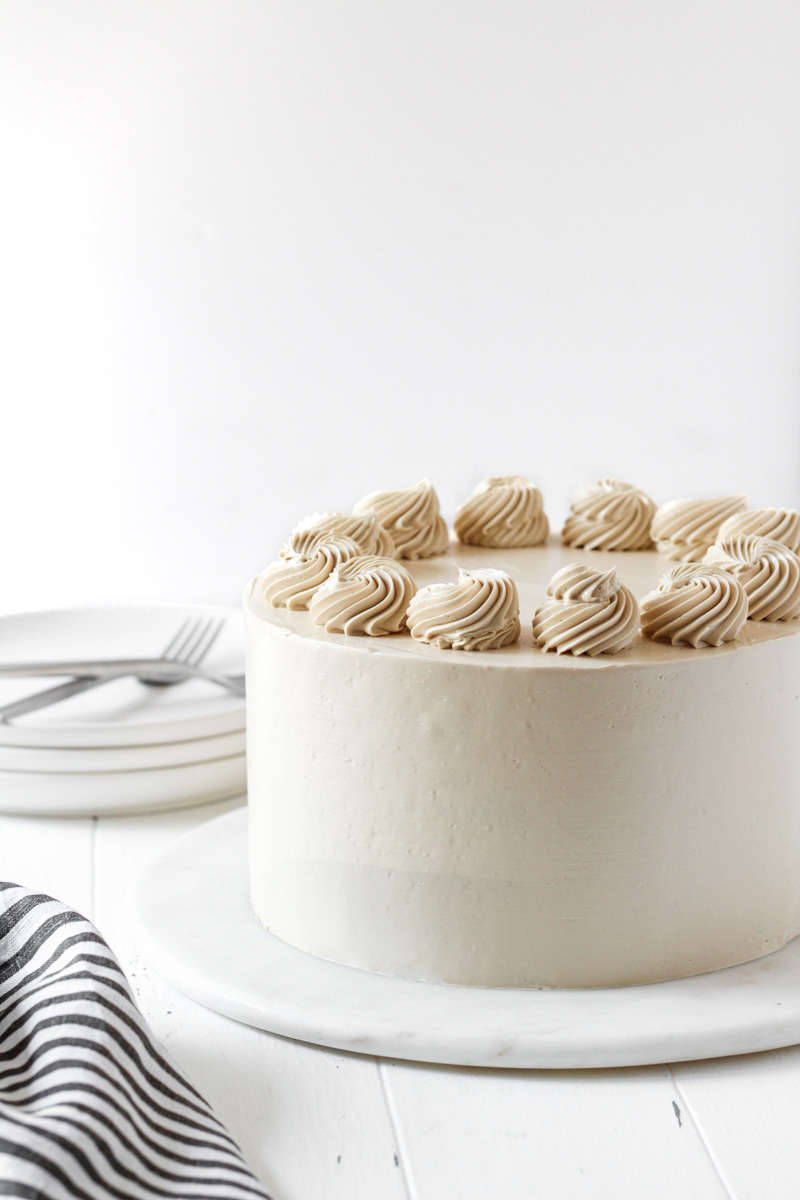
(62, 691)
(52, 695)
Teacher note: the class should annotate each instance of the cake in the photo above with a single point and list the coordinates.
(515, 786)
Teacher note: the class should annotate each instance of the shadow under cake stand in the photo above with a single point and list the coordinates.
(193, 922)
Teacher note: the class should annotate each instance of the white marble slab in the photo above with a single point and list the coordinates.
(193, 922)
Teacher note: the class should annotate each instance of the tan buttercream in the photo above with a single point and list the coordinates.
(768, 570)
(478, 612)
(695, 605)
(609, 515)
(780, 524)
(303, 567)
(504, 510)
(587, 612)
(364, 528)
(412, 518)
(684, 529)
(368, 595)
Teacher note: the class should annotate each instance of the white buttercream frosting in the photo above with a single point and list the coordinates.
(478, 612)
(609, 515)
(504, 510)
(304, 565)
(587, 612)
(695, 605)
(412, 518)
(364, 528)
(780, 524)
(684, 529)
(537, 819)
(768, 570)
(368, 595)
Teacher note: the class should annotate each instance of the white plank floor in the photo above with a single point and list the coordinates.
(317, 1123)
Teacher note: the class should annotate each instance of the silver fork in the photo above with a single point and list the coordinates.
(187, 647)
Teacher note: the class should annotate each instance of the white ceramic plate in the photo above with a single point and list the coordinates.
(43, 761)
(120, 792)
(122, 712)
(192, 920)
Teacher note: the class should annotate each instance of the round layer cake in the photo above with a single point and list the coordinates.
(518, 818)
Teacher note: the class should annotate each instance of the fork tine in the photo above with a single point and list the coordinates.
(212, 632)
(194, 635)
(177, 638)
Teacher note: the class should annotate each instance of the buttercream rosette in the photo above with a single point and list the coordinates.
(368, 595)
(586, 612)
(303, 566)
(609, 515)
(695, 604)
(684, 529)
(768, 570)
(504, 510)
(412, 518)
(364, 528)
(780, 524)
(478, 612)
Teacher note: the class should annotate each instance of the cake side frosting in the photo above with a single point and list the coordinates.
(518, 818)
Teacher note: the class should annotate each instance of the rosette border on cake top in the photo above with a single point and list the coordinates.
(609, 515)
(697, 605)
(366, 595)
(586, 612)
(768, 571)
(303, 566)
(684, 529)
(478, 612)
(412, 518)
(504, 510)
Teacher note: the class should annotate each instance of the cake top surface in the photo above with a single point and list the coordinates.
(531, 569)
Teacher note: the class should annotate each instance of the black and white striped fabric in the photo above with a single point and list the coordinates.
(90, 1106)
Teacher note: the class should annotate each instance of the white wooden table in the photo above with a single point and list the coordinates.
(317, 1123)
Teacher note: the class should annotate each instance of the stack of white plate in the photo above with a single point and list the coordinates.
(124, 746)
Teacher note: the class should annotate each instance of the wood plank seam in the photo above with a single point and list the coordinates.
(403, 1156)
(686, 1109)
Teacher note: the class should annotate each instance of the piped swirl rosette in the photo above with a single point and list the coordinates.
(478, 612)
(697, 605)
(684, 529)
(768, 571)
(504, 510)
(304, 565)
(780, 524)
(586, 612)
(412, 518)
(365, 595)
(609, 515)
(364, 528)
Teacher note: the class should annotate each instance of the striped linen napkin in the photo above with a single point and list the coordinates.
(90, 1106)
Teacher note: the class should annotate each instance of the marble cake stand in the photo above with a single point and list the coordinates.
(192, 921)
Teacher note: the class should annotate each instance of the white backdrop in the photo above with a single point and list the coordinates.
(260, 258)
